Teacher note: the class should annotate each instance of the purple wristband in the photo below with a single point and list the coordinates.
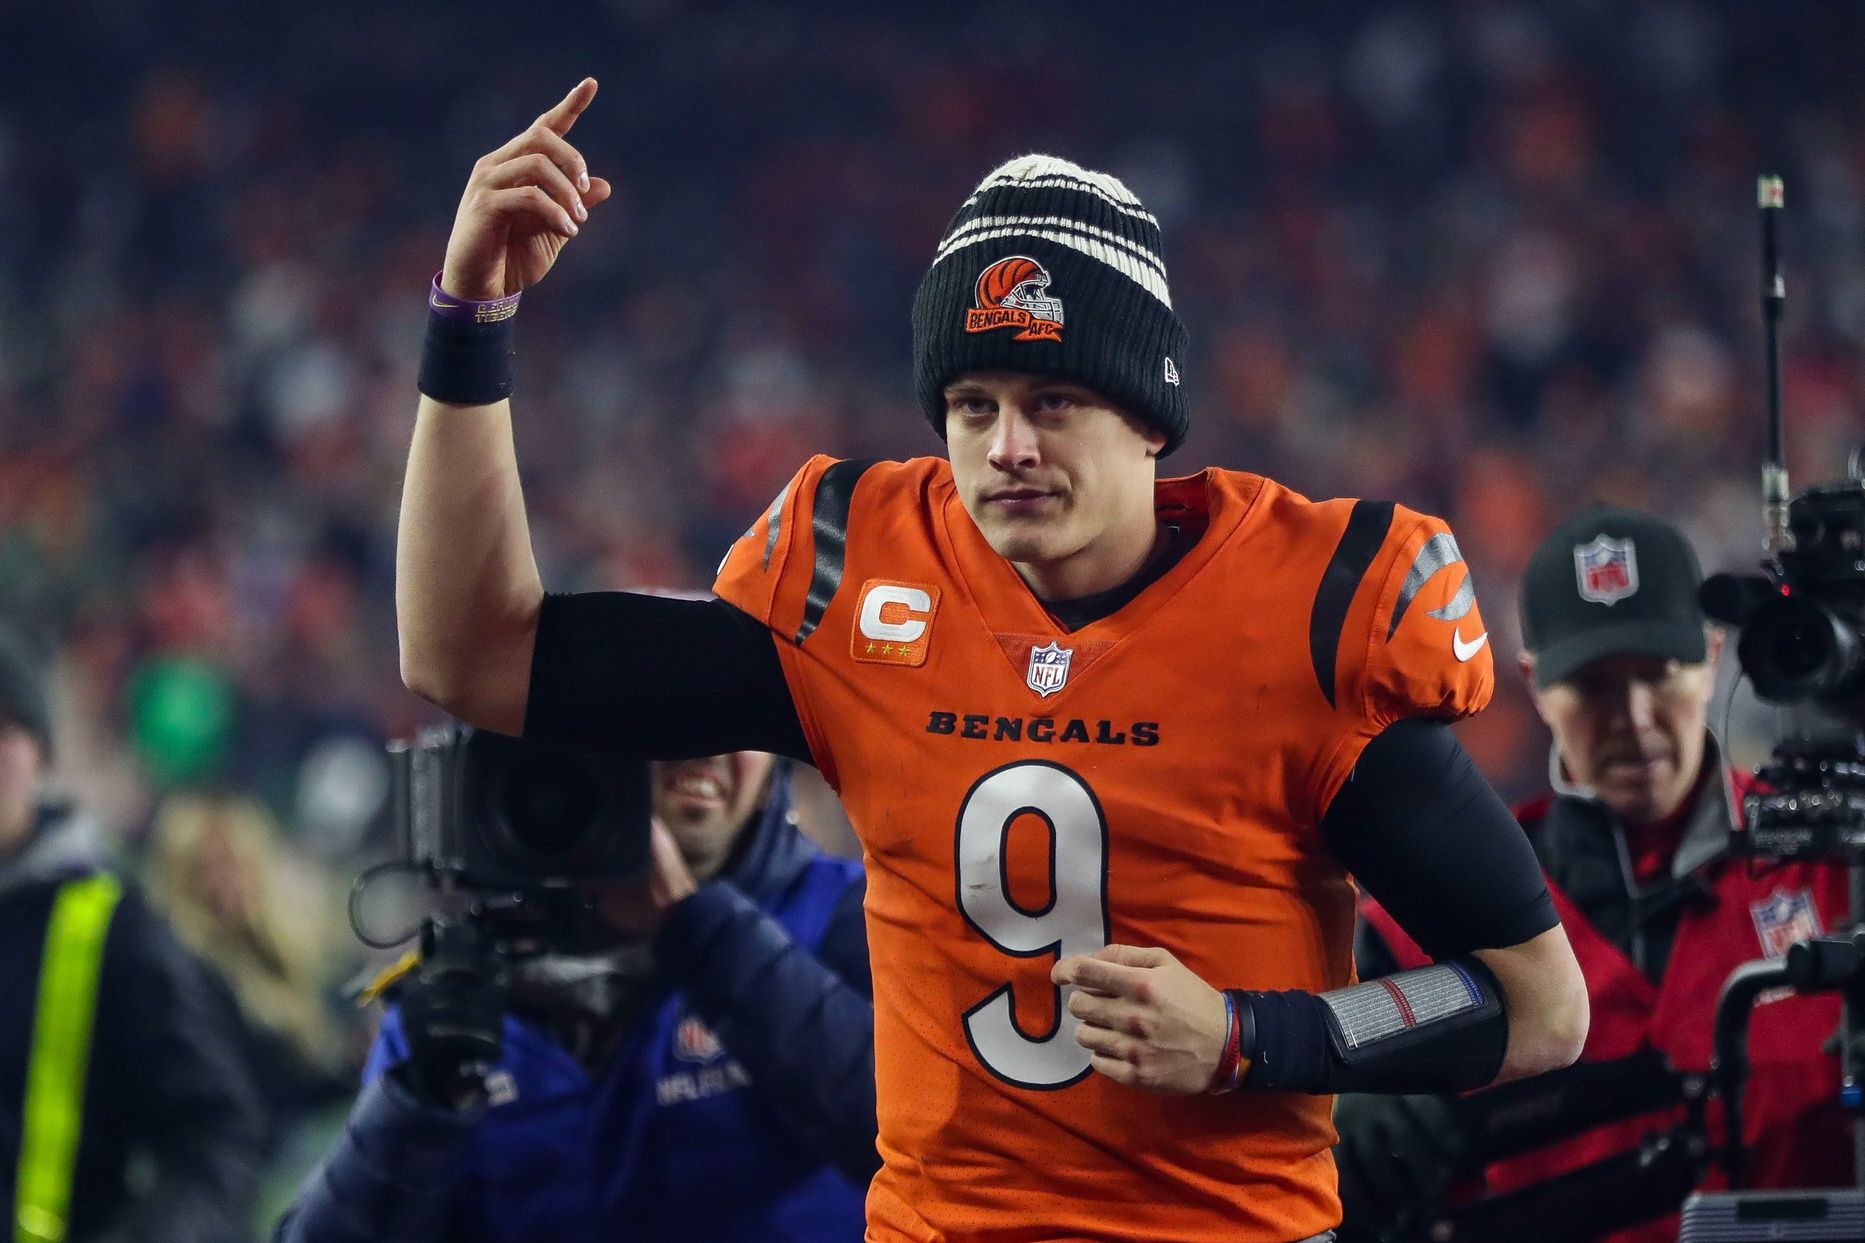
(447, 306)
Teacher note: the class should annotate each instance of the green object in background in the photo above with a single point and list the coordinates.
(181, 718)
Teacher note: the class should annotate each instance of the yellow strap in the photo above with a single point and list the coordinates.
(61, 1052)
(382, 983)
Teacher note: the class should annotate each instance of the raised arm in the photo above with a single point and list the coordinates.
(467, 591)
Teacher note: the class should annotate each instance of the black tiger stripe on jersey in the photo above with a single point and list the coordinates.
(1359, 544)
(774, 524)
(834, 493)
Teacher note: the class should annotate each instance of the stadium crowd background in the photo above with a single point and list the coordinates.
(1492, 260)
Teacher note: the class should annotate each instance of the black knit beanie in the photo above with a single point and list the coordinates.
(1053, 269)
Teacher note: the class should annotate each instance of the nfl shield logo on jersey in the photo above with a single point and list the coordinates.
(1048, 669)
(1784, 919)
(1607, 569)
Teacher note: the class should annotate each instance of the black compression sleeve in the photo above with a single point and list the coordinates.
(1422, 831)
(1443, 1028)
(659, 677)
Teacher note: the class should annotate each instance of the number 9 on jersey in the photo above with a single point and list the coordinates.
(1075, 920)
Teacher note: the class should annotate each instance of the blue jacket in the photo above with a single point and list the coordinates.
(740, 1107)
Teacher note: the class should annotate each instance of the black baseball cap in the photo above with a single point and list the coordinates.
(1611, 582)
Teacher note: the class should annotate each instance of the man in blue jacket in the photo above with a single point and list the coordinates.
(711, 1077)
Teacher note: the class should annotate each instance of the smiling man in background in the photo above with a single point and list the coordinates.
(707, 1075)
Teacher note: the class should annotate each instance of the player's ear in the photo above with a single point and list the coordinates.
(1525, 661)
(1151, 437)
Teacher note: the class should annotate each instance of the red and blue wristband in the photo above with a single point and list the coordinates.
(1232, 1065)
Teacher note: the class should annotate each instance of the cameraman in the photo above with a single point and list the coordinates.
(1634, 839)
(709, 1077)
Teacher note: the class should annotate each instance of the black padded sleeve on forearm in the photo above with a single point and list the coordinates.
(1443, 1028)
(660, 677)
(1423, 832)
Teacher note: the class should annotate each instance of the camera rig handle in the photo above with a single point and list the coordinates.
(1729, 1058)
(452, 1008)
(1815, 965)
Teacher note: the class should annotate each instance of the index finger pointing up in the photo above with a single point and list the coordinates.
(563, 116)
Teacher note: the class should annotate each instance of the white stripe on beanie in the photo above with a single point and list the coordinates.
(1040, 169)
(1070, 183)
(1131, 262)
(1135, 258)
(957, 237)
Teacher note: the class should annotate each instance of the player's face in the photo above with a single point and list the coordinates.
(1058, 479)
(1631, 728)
(705, 802)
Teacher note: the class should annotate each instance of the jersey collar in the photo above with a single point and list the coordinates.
(1217, 500)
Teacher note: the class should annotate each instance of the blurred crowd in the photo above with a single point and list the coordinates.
(1492, 260)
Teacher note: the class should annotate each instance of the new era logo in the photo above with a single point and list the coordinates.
(893, 623)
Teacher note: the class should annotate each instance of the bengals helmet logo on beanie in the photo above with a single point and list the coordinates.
(1013, 293)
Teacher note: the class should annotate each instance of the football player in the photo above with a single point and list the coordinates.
(1113, 743)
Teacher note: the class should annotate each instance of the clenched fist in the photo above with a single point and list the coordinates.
(522, 204)
(1146, 1018)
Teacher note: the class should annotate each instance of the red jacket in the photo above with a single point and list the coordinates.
(1797, 1134)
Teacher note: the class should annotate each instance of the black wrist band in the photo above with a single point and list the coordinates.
(1288, 1041)
(465, 363)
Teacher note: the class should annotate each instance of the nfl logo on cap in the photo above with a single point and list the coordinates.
(1607, 569)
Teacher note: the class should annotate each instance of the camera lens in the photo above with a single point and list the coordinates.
(1794, 649)
(533, 815)
(548, 803)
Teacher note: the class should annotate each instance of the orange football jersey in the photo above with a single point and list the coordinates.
(1154, 778)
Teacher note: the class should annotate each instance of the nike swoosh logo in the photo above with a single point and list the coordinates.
(1464, 651)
